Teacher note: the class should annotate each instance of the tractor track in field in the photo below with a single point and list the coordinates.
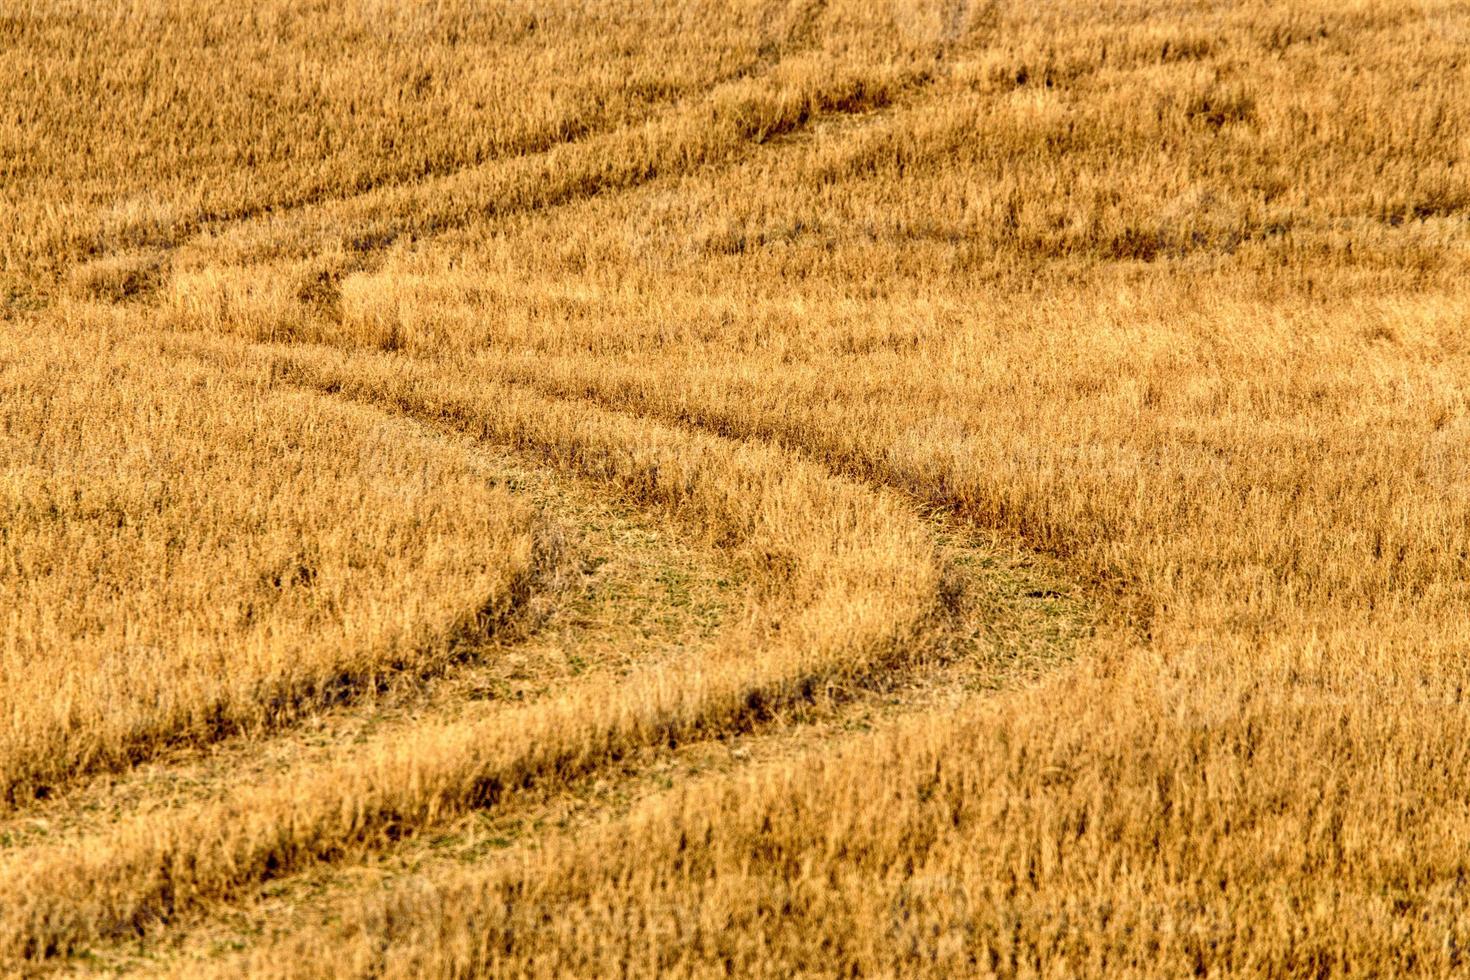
(508, 624)
(628, 588)
(1007, 621)
(125, 239)
(304, 226)
(618, 589)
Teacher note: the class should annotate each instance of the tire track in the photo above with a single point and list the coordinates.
(852, 591)
(904, 682)
(283, 281)
(128, 237)
(621, 592)
(729, 405)
(233, 682)
(712, 132)
(125, 272)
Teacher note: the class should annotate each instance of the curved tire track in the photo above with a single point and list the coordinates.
(855, 590)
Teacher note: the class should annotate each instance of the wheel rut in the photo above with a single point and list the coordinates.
(719, 707)
(617, 589)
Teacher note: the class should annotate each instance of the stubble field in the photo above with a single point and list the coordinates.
(819, 487)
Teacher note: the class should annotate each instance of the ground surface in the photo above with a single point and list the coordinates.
(759, 486)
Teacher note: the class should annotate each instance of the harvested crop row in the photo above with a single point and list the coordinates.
(176, 562)
(849, 580)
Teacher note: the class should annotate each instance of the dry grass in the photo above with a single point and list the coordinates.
(1172, 293)
(186, 555)
(846, 578)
